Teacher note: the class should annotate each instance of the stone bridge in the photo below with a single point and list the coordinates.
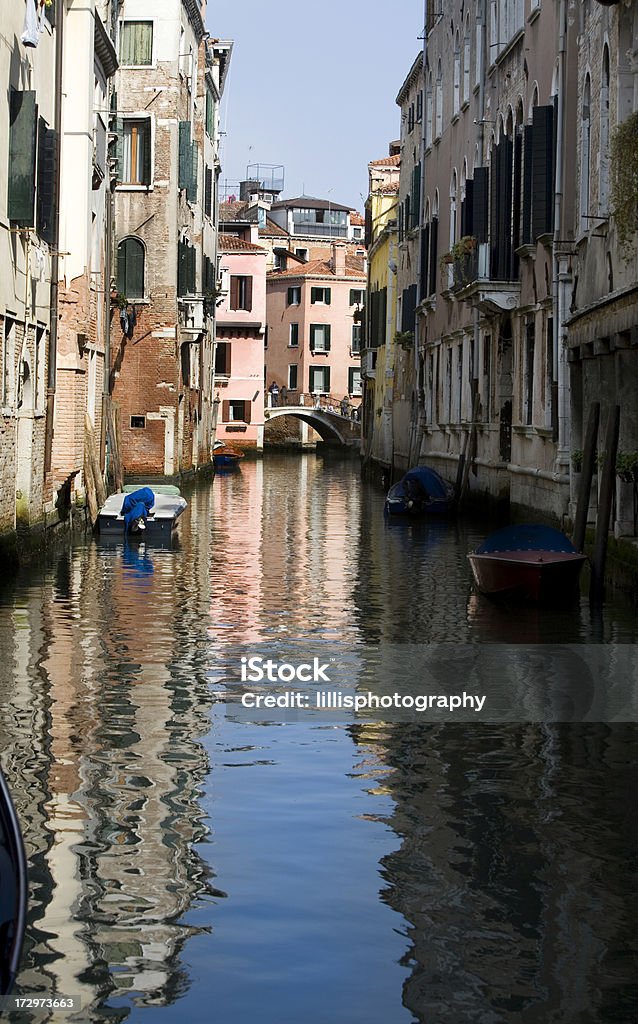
(335, 423)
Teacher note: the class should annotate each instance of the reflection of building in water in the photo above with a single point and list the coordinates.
(113, 729)
(518, 910)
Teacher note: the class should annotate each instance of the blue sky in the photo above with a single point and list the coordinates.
(313, 87)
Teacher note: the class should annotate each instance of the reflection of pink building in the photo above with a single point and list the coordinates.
(241, 325)
(314, 330)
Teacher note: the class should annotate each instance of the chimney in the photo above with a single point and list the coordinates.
(339, 259)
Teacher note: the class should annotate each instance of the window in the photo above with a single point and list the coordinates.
(138, 422)
(303, 253)
(320, 337)
(456, 87)
(294, 296)
(320, 295)
(22, 149)
(319, 380)
(293, 338)
(235, 410)
(438, 102)
(419, 106)
(466, 60)
(428, 110)
(357, 232)
(130, 268)
(354, 381)
(241, 292)
(603, 172)
(40, 346)
(210, 114)
(222, 359)
(186, 268)
(292, 377)
(134, 157)
(136, 43)
(8, 357)
(528, 398)
(356, 296)
(585, 156)
(355, 345)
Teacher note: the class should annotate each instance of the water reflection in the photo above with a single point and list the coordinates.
(184, 860)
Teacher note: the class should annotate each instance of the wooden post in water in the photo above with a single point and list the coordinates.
(586, 476)
(607, 485)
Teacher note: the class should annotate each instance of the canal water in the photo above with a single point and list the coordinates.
(190, 864)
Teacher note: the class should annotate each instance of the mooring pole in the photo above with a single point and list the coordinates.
(607, 486)
(586, 476)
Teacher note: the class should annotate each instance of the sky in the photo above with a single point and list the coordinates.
(313, 86)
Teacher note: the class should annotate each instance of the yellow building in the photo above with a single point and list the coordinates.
(377, 362)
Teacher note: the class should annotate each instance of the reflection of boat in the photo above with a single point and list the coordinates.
(532, 562)
(151, 513)
(224, 455)
(13, 890)
(420, 492)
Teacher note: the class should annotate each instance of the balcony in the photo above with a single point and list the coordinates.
(470, 282)
(324, 230)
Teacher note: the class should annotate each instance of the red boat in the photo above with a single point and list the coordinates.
(531, 563)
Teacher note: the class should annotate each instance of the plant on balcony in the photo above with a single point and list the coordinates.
(627, 466)
(404, 338)
(624, 182)
(459, 250)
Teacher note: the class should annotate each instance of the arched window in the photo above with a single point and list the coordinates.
(603, 181)
(456, 94)
(466, 60)
(438, 131)
(585, 155)
(428, 110)
(130, 268)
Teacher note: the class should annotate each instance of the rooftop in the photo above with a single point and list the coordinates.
(355, 267)
(233, 243)
(308, 203)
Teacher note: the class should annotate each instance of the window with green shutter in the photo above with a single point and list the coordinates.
(136, 43)
(134, 151)
(185, 155)
(130, 268)
(210, 114)
(320, 337)
(23, 120)
(47, 178)
(191, 188)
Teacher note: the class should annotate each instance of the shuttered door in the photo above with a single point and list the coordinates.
(23, 120)
(516, 204)
(434, 240)
(480, 203)
(527, 184)
(425, 253)
(467, 210)
(542, 170)
(185, 154)
(208, 192)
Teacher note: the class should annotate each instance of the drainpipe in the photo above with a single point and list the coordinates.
(560, 411)
(55, 242)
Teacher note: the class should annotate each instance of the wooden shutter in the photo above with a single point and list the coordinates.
(191, 188)
(467, 209)
(326, 296)
(23, 123)
(234, 293)
(326, 337)
(516, 203)
(416, 195)
(425, 256)
(208, 191)
(185, 154)
(434, 239)
(527, 184)
(225, 411)
(134, 287)
(47, 180)
(480, 203)
(144, 130)
(248, 293)
(290, 296)
(247, 411)
(182, 270)
(542, 170)
(192, 268)
(326, 378)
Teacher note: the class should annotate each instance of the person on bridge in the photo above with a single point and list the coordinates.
(274, 394)
(345, 401)
(284, 395)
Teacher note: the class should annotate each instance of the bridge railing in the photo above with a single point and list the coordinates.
(327, 403)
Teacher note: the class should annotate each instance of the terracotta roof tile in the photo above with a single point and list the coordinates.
(232, 243)
(356, 219)
(273, 229)
(388, 161)
(232, 211)
(322, 268)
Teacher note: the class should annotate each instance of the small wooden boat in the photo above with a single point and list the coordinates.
(420, 492)
(13, 890)
(145, 512)
(531, 563)
(224, 455)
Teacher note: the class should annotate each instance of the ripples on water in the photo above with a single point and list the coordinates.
(187, 864)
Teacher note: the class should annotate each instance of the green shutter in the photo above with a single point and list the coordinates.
(191, 190)
(47, 178)
(192, 269)
(327, 296)
(121, 268)
(326, 379)
(136, 42)
(134, 269)
(146, 153)
(181, 268)
(23, 119)
(326, 337)
(185, 154)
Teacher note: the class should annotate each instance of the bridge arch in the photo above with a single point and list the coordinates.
(330, 426)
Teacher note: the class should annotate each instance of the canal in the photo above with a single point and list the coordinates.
(189, 863)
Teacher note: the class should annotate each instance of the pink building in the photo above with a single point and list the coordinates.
(241, 326)
(314, 329)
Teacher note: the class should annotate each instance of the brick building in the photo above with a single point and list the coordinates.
(168, 87)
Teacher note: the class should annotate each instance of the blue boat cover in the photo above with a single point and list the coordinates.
(137, 505)
(530, 537)
(429, 480)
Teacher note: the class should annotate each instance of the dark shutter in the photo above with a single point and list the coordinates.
(542, 170)
(326, 295)
(516, 204)
(208, 191)
(467, 210)
(290, 296)
(234, 293)
(23, 122)
(434, 239)
(185, 154)
(326, 337)
(182, 268)
(527, 184)
(425, 255)
(192, 268)
(247, 408)
(134, 269)
(191, 188)
(408, 308)
(416, 195)
(145, 129)
(225, 411)
(326, 379)
(501, 211)
(47, 178)
(480, 203)
(248, 293)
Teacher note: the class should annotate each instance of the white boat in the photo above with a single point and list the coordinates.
(154, 517)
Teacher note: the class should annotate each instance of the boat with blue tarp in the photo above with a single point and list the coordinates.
(529, 562)
(421, 491)
(148, 512)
